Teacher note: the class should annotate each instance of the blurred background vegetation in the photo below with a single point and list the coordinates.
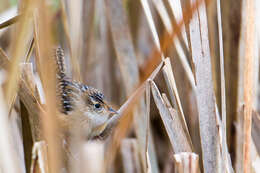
(183, 74)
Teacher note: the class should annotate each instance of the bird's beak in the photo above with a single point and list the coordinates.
(112, 112)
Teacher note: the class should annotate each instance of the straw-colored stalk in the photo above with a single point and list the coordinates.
(248, 83)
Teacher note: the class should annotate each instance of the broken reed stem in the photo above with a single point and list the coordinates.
(248, 83)
(172, 121)
(173, 91)
(186, 162)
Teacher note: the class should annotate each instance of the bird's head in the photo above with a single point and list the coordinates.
(91, 110)
(97, 108)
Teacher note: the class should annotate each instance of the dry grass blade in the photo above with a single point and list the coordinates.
(171, 84)
(26, 94)
(30, 50)
(6, 16)
(27, 75)
(159, 5)
(18, 54)
(248, 83)
(231, 14)
(28, 55)
(122, 48)
(9, 22)
(147, 99)
(204, 92)
(7, 13)
(177, 12)
(225, 153)
(152, 25)
(166, 20)
(172, 122)
(186, 163)
(226, 160)
(222, 72)
(167, 39)
(34, 108)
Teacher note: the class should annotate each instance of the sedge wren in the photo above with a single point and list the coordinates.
(82, 108)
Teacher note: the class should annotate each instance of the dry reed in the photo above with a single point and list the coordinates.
(138, 53)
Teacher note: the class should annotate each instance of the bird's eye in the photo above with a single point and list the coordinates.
(97, 106)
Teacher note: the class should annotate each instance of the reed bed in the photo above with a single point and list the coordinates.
(182, 74)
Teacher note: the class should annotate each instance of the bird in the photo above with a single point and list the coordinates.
(82, 109)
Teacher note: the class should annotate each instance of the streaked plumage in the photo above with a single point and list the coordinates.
(83, 108)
